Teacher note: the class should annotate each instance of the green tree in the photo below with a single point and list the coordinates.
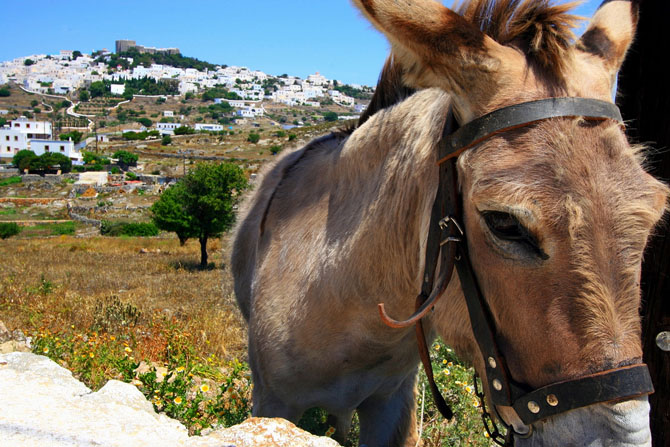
(184, 130)
(253, 138)
(22, 159)
(4, 92)
(84, 96)
(126, 158)
(97, 88)
(28, 62)
(201, 204)
(166, 140)
(76, 54)
(330, 116)
(75, 135)
(49, 160)
(146, 122)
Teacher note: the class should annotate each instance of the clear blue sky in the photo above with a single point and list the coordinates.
(297, 37)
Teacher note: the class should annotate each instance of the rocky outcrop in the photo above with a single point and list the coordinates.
(42, 404)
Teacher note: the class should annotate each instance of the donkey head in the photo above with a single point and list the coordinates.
(557, 214)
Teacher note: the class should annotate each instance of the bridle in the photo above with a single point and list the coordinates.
(447, 244)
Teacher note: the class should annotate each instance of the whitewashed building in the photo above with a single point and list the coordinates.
(12, 141)
(167, 128)
(32, 129)
(118, 89)
(66, 148)
(209, 127)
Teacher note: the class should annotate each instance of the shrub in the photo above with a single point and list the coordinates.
(4, 91)
(115, 170)
(9, 229)
(274, 150)
(131, 175)
(292, 136)
(253, 138)
(155, 172)
(126, 158)
(146, 122)
(141, 229)
(166, 140)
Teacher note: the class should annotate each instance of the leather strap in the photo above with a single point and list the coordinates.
(525, 114)
(605, 386)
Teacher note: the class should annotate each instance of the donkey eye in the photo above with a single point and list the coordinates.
(507, 228)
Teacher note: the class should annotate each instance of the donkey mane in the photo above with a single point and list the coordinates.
(539, 29)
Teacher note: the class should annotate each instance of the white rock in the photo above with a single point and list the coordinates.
(41, 404)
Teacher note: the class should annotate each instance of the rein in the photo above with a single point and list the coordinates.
(447, 243)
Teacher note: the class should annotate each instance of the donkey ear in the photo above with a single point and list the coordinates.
(610, 33)
(438, 48)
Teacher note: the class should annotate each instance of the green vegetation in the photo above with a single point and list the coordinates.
(348, 90)
(219, 92)
(28, 62)
(126, 158)
(146, 122)
(145, 59)
(253, 138)
(166, 140)
(26, 159)
(10, 180)
(275, 149)
(184, 130)
(198, 392)
(75, 135)
(139, 229)
(9, 229)
(201, 205)
(4, 92)
(133, 136)
(330, 116)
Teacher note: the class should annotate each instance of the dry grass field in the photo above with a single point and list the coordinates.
(67, 282)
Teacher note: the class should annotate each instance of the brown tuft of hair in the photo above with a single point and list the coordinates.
(539, 29)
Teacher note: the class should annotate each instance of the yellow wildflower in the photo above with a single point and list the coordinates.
(444, 361)
(45, 350)
(180, 369)
(177, 400)
(204, 387)
(127, 349)
(91, 355)
(111, 337)
(468, 389)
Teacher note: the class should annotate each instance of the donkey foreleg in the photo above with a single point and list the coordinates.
(390, 420)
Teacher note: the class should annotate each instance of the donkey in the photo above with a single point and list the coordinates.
(557, 214)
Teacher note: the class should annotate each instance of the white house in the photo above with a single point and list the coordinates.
(168, 113)
(66, 148)
(12, 141)
(167, 128)
(118, 89)
(209, 127)
(251, 112)
(32, 129)
(19, 134)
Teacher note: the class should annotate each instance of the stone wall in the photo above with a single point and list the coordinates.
(42, 404)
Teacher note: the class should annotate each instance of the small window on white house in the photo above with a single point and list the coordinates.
(62, 148)
(27, 125)
(46, 148)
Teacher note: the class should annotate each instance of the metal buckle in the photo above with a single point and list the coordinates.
(444, 224)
